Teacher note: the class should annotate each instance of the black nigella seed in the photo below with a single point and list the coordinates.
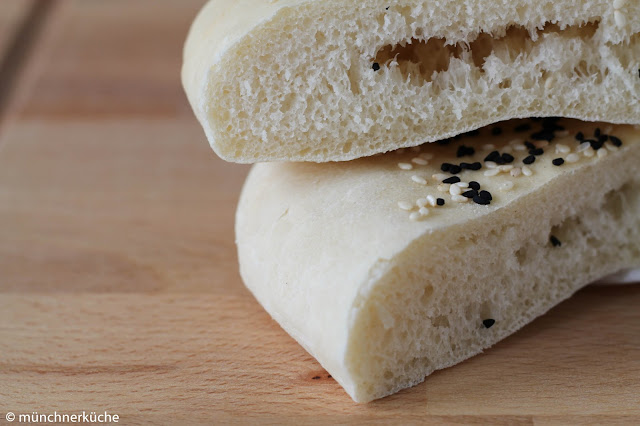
(496, 131)
(615, 141)
(603, 138)
(530, 159)
(452, 180)
(507, 158)
(482, 201)
(529, 145)
(596, 145)
(488, 323)
(445, 167)
(474, 166)
(536, 151)
(544, 135)
(440, 201)
(558, 161)
(315, 378)
(522, 128)
(470, 193)
(597, 132)
(474, 185)
(375, 66)
(465, 150)
(493, 156)
(454, 170)
(554, 241)
(579, 136)
(486, 195)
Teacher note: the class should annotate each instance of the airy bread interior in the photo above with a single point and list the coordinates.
(338, 80)
(383, 285)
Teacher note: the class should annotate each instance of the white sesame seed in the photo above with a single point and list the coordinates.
(423, 211)
(507, 168)
(426, 155)
(562, 149)
(400, 151)
(602, 153)
(421, 202)
(611, 147)
(589, 152)
(490, 165)
(506, 186)
(459, 199)
(405, 205)
(415, 216)
(418, 179)
(455, 190)
(415, 148)
(608, 129)
(572, 158)
(462, 184)
(491, 172)
(541, 144)
(432, 200)
(583, 146)
(488, 147)
(405, 166)
(516, 141)
(443, 187)
(516, 172)
(620, 18)
(419, 161)
(508, 149)
(619, 4)
(562, 133)
(439, 177)
(519, 147)
(526, 170)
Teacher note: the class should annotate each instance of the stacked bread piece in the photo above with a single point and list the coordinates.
(451, 227)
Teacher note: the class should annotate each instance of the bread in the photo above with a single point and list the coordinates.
(383, 291)
(295, 80)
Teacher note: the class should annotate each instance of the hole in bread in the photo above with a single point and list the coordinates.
(426, 295)
(441, 321)
(424, 59)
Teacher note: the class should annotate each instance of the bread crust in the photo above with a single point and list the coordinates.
(381, 300)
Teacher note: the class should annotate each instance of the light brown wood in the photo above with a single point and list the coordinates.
(12, 14)
(116, 57)
(119, 287)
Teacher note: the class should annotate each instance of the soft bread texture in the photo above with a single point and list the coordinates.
(381, 300)
(293, 80)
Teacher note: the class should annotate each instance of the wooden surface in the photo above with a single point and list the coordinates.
(119, 288)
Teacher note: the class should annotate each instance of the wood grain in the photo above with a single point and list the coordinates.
(119, 288)
(12, 15)
(217, 357)
(114, 58)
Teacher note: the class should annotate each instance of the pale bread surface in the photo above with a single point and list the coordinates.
(382, 300)
(292, 80)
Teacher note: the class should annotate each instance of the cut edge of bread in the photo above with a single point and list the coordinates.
(382, 302)
(295, 80)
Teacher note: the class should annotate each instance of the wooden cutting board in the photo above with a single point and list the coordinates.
(119, 288)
